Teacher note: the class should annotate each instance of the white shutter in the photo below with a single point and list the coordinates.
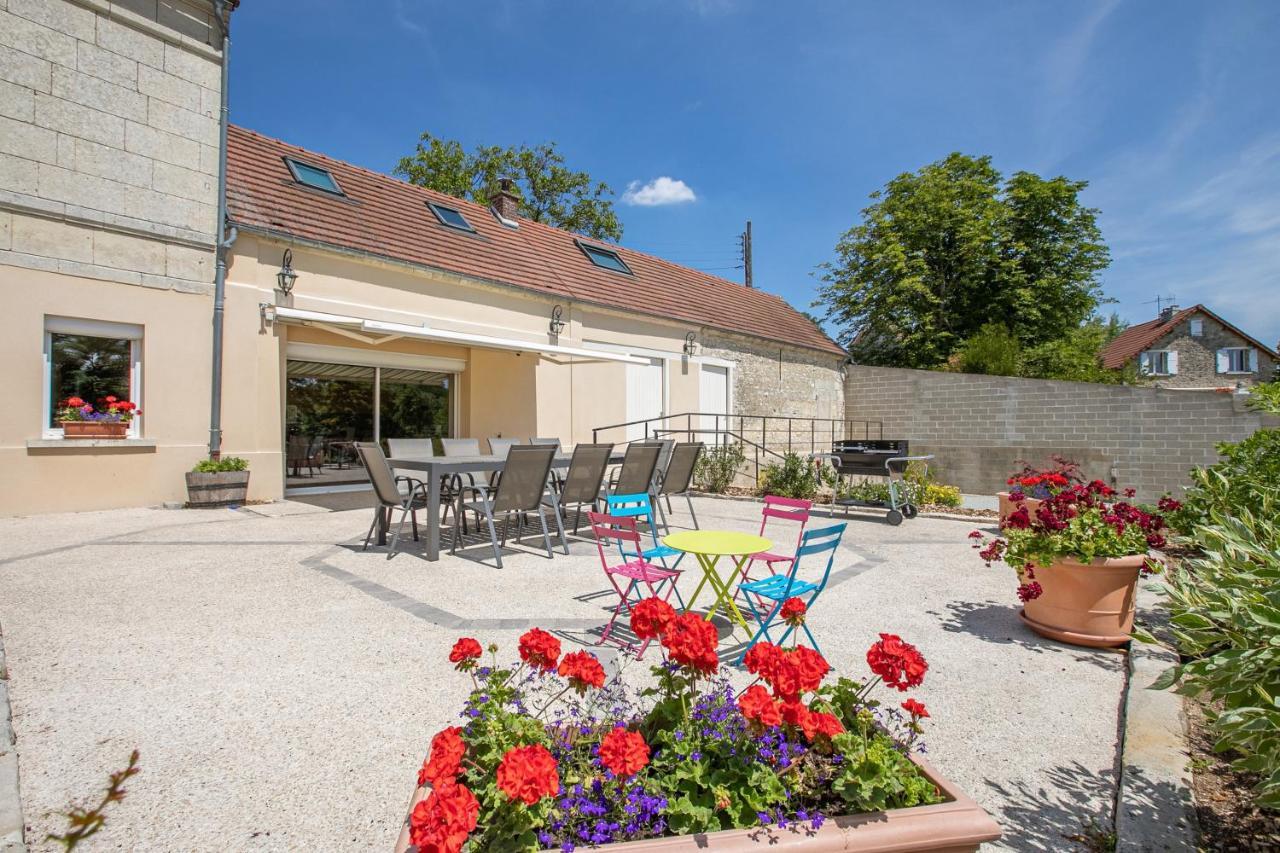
(1224, 361)
(1144, 363)
(1172, 362)
(1253, 361)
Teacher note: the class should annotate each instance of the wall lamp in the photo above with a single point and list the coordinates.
(286, 277)
(557, 322)
(690, 344)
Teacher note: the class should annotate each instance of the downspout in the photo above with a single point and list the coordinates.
(225, 237)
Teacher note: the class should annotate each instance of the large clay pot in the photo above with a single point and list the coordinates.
(94, 429)
(958, 825)
(1008, 504)
(1085, 604)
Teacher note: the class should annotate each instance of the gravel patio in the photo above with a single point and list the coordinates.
(282, 685)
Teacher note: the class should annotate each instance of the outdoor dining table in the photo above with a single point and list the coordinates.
(438, 467)
(708, 546)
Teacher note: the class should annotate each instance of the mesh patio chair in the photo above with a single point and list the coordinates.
(664, 458)
(522, 489)
(632, 573)
(678, 476)
(548, 442)
(639, 472)
(581, 485)
(500, 446)
(423, 448)
(388, 496)
(465, 483)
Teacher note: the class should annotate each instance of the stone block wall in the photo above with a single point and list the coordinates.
(980, 427)
(108, 139)
(1198, 357)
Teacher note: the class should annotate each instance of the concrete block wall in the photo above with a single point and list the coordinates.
(980, 427)
(108, 139)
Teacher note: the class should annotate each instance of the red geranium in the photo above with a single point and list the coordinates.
(756, 704)
(445, 759)
(624, 753)
(827, 724)
(915, 709)
(528, 773)
(539, 649)
(583, 670)
(762, 659)
(651, 617)
(899, 663)
(796, 714)
(799, 670)
(465, 653)
(74, 402)
(793, 611)
(441, 822)
(691, 641)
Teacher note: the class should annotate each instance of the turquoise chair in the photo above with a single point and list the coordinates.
(769, 593)
(640, 507)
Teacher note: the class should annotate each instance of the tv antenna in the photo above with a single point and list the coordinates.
(1161, 301)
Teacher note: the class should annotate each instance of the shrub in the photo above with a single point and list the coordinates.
(920, 488)
(717, 466)
(795, 476)
(220, 466)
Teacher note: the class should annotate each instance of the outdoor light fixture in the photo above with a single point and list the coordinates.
(690, 347)
(286, 277)
(557, 324)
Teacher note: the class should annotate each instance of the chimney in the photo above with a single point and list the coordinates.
(1166, 314)
(505, 203)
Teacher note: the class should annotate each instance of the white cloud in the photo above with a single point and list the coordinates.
(659, 191)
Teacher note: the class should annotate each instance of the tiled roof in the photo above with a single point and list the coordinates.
(1135, 339)
(387, 217)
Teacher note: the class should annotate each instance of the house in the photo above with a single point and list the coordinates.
(1192, 348)
(357, 307)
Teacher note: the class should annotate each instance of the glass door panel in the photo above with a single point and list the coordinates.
(328, 407)
(414, 404)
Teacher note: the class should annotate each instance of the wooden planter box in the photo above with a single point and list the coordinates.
(94, 429)
(224, 488)
(957, 826)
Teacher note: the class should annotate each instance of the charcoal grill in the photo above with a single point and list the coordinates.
(886, 458)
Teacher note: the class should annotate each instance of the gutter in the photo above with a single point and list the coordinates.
(222, 11)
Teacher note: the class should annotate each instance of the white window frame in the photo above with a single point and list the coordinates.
(131, 332)
(1244, 361)
(1170, 362)
(1197, 327)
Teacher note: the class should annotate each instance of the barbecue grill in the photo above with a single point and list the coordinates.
(886, 458)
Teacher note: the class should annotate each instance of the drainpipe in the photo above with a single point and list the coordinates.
(225, 237)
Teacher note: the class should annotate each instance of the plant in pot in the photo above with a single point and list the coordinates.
(1033, 485)
(218, 482)
(1078, 558)
(551, 756)
(110, 418)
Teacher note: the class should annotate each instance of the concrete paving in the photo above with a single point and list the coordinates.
(282, 685)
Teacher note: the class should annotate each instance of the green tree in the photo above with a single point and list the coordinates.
(994, 350)
(1075, 356)
(548, 191)
(943, 251)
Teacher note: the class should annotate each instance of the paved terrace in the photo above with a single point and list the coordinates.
(282, 685)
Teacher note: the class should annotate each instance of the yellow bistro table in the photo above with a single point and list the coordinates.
(708, 546)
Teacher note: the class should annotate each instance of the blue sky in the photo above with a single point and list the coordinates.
(789, 114)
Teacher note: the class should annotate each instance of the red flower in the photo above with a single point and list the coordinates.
(441, 822)
(762, 659)
(899, 663)
(797, 671)
(793, 611)
(465, 653)
(651, 617)
(445, 759)
(827, 724)
(624, 753)
(1019, 519)
(583, 670)
(915, 709)
(691, 641)
(111, 398)
(1029, 591)
(796, 714)
(75, 402)
(528, 773)
(539, 649)
(756, 704)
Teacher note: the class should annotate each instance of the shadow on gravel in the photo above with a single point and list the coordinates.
(1074, 812)
(995, 622)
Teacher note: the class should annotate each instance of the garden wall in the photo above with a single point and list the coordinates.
(981, 426)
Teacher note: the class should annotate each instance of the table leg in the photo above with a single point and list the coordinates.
(708, 567)
(433, 516)
(724, 596)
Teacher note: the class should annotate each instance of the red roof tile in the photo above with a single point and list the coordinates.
(1135, 339)
(388, 217)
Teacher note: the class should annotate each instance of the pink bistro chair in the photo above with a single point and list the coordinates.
(786, 510)
(628, 577)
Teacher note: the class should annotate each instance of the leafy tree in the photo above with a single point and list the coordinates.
(1075, 356)
(993, 350)
(548, 191)
(943, 251)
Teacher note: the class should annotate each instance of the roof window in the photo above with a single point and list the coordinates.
(450, 216)
(606, 258)
(313, 176)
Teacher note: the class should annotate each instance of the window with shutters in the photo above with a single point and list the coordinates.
(1233, 360)
(1158, 362)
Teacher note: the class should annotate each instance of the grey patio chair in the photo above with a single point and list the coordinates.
(423, 448)
(548, 442)
(581, 485)
(522, 489)
(464, 483)
(664, 458)
(387, 495)
(679, 475)
(500, 446)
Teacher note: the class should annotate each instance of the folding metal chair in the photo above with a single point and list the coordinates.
(522, 489)
(776, 589)
(640, 506)
(387, 494)
(791, 510)
(678, 476)
(635, 571)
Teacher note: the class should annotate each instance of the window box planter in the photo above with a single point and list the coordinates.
(1085, 604)
(94, 429)
(223, 488)
(958, 825)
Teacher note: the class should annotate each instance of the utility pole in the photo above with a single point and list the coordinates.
(746, 255)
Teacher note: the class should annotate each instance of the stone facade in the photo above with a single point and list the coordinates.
(108, 139)
(980, 427)
(1197, 360)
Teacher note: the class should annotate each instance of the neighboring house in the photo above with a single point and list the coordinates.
(1192, 348)
(412, 313)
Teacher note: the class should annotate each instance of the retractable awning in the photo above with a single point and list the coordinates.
(365, 330)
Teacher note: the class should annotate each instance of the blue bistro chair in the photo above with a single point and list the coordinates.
(768, 594)
(640, 507)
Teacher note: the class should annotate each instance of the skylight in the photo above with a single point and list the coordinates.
(606, 258)
(313, 176)
(450, 216)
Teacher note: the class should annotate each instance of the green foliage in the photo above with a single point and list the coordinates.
(717, 466)
(548, 191)
(795, 476)
(943, 251)
(876, 776)
(221, 466)
(83, 823)
(1075, 356)
(994, 350)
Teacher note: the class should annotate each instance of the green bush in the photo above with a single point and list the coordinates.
(219, 466)
(717, 466)
(919, 488)
(795, 476)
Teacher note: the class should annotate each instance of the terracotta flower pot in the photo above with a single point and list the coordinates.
(1008, 504)
(957, 826)
(94, 429)
(1085, 604)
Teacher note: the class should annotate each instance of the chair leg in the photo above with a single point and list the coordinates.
(395, 537)
(493, 536)
(377, 511)
(413, 516)
(659, 517)
(546, 536)
(691, 512)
